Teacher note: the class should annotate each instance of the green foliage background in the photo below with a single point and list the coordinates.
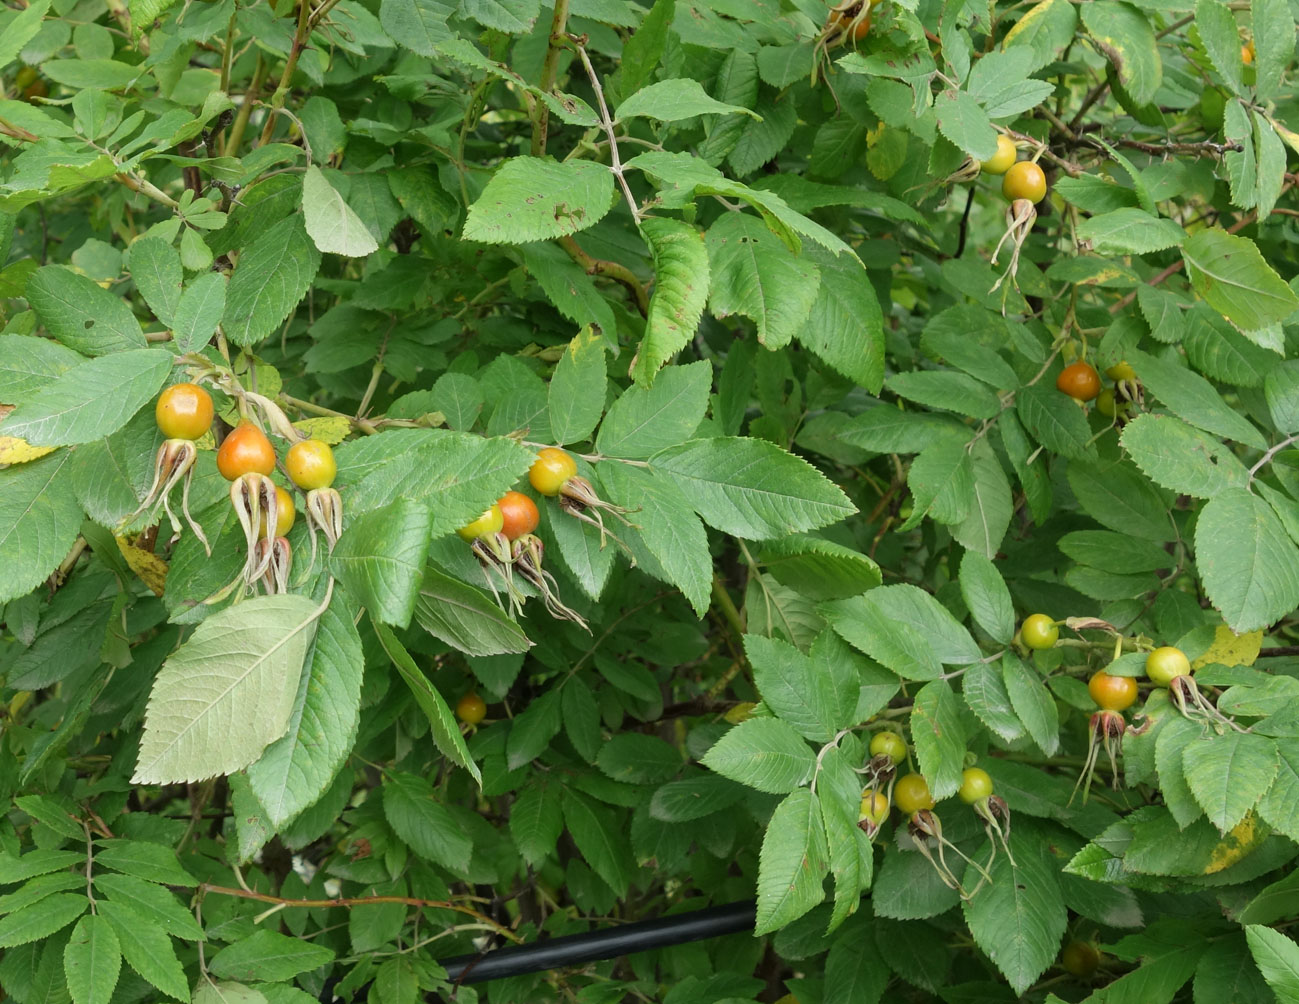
(743, 268)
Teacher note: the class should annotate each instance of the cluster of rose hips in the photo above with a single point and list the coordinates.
(911, 796)
(1167, 667)
(266, 511)
(503, 540)
(1081, 382)
(246, 458)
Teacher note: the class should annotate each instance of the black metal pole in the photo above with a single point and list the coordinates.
(574, 949)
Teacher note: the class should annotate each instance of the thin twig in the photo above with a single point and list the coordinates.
(607, 121)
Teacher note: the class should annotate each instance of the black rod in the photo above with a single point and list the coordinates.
(574, 949)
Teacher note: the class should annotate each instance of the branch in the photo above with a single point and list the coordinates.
(295, 50)
(147, 188)
(345, 902)
(598, 266)
(549, 69)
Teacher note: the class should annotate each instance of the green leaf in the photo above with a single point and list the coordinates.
(680, 292)
(854, 968)
(569, 288)
(1170, 744)
(985, 694)
(763, 753)
(599, 836)
(991, 507)
(530, 199)
(41, 919)
(674, 100)
(754, 274)
(297, 768)
(694, 798)
(642, 52)
(81, 314)
(898, 645)
(939, 737)
(1054, 420)
(986, 595)
(465, 617)
(668, 527)
(792, 862)
(411, 807)
(419, 25)
(1235, 279)
(533, 729)
(455, 474)
(274, 273)
(226, 992)
(1217, 29)
(156, 905)
(331, 223)
(1249, 565)
(962, 120)
(1270, 155)
(851, 854)
(147, 948)
(819, 569)
(1277, 958)
(380, 558)
(92, 961)
(798, 689)
(228, 692)
(1114, 552)
(38, 888)
(268, 955)
(91, 400)
(1131, 231)
(19, 30)
(28, 364)
(941, 479)
(1182, 459)
(1019, 918)
(1033, 703)
(199, 312)
(1192, 398)
(1228, 774)
(156, 271)
(752, 488)
(142, 859)
(845, 327)
(638, 759)
(1280, 806)
(644, 420)
(39, 521)
(577, 389)
(446, 733)
(510, 16)
(1274, 43)
(1124, 36)
(536, 823)
(946, 390)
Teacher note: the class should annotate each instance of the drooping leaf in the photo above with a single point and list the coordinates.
(681, 289)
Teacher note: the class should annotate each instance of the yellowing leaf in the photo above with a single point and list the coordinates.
(330, 430)
(1244, 838)
(1231, 649)
(740, 712)
(18, 451)
(151, 569)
